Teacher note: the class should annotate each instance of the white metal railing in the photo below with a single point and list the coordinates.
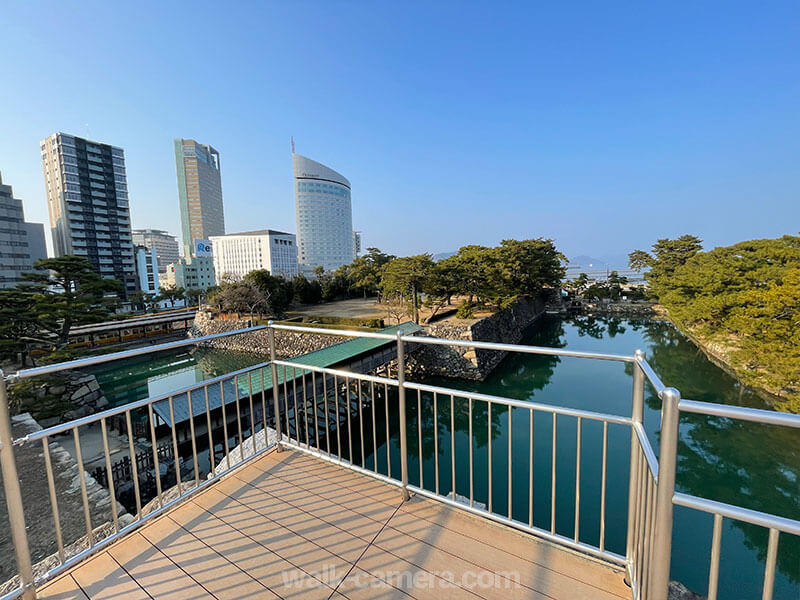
(314, 409)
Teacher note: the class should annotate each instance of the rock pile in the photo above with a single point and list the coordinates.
(287, 343)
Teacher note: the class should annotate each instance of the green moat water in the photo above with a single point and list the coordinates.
(757, 466)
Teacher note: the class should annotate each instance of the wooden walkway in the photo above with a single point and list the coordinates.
(292, 526)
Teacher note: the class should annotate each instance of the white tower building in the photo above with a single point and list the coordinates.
(324, 216)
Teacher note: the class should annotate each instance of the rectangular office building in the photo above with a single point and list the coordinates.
(236, 254)
(87, 198)
(21, 243)
(165, 245)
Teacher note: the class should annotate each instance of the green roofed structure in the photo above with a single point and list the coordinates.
(261, 378)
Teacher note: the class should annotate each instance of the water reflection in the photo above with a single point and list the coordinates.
(757, 466)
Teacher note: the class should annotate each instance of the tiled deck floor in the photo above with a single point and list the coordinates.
(292, 526)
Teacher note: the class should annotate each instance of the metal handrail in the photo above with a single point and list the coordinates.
(95, 360)
(559, 410)
(754, 415)
(651, 492)
(651, 375)
(738, 513)
(459, 343)
(119, 410)
(516, 348)
(338, 372)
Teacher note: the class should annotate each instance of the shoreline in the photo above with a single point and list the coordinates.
(771, 398)
(658, 312)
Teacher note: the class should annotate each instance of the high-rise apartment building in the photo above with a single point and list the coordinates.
(87, 198)
(21, 243)
(165, 245)
(199, 192)
(324, 216)
(237, 254)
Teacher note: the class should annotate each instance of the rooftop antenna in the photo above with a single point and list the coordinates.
(292, 138)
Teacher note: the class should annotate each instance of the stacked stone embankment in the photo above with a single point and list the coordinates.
(58, 397)
(644, 310)
(505, 326)
(287, 343)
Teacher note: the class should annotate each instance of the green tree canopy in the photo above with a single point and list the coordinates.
(365, 271)
(406, 277)
(171, 293)
(67, 291)
(306, 291)
(744, 297)
(278, 291)
(528, 266)
(667, 255)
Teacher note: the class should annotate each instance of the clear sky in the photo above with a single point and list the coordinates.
(601, 125)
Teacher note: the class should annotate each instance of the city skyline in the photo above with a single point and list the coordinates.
(669, 121)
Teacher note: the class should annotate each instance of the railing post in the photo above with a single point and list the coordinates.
(401, 394)
(16, 514)
(637, 414)
(665, 492)
(276, 402)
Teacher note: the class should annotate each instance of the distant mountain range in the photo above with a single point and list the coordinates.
(443, 255)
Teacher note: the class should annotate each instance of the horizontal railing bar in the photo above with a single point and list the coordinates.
(647, 449)
(516, 348)
(651, 375)
(131, 323)
(556, 538)
(94, 360)
(138, 523)
(62, 427)
(461, 343)
(756, 415)
(738, 513)
(339, 372)
(337, 332)
(572, 412)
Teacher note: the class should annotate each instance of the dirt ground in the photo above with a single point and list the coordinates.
(358, 308)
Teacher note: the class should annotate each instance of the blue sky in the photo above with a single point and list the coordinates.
(601, 125)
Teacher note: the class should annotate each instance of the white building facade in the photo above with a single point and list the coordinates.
(236, 254)
(190, 273)
(324, 216)
(147, 269)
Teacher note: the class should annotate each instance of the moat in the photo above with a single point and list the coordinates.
(754, 465)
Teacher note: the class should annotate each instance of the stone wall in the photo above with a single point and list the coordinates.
(59, 397)
(645, 310)
(506, 326)
(287, 343)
